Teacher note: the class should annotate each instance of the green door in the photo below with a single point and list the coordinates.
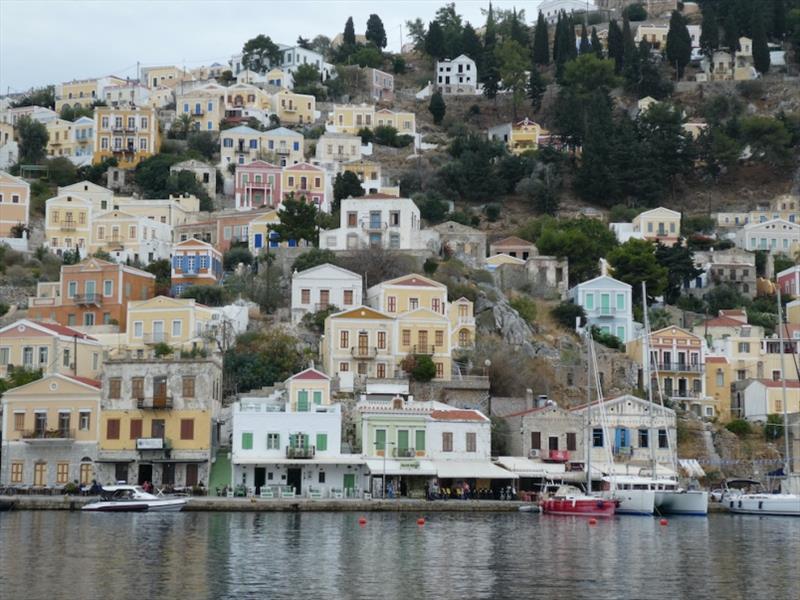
(380, 439)
(605, 304)
(302, 401)
(349, 481)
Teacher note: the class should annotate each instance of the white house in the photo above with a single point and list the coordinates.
(379, 220)
(457, 76)
(287, 441)
(324, 286)
(291, 59)
(756, 399)
(776, 235)
(552, 8)
(608, 305)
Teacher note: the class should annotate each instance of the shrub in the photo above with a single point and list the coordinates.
(236, 255)
(429, 267)
(566, 313)
(210, 295)
(4, 308)
(492, 211)
(366, 135)
(313, 258)
(606, 339)
(691, 303)
(774, 427)
(526, 307)
(163, 349)
(635, 12)
(422, 367)
(739, 426)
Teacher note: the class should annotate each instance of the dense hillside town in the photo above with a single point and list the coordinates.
(550, 247)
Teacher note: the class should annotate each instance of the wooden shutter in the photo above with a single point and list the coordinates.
(136, 429)
(112, 429)
(536, 440)
(572, 442)
(187, 429)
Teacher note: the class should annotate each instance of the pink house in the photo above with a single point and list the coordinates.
(258, 185)
(789, 280)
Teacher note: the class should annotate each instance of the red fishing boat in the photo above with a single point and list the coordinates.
(571, 501)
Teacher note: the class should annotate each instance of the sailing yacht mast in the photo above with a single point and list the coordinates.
(646, 378)
(781, 332)
(588, 411)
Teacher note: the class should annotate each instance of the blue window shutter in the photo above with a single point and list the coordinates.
(176, 262)
(297, 146)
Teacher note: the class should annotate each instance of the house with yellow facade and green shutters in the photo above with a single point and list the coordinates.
(287, 442)
(181, 323)
(159, 419)
(50, 432)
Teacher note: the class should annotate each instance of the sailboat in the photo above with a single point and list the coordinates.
(783, 504)
(569, 500)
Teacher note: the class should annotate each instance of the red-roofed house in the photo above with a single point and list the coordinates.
(513, 246)
(51, 347)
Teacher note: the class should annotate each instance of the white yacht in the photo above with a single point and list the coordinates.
(635, 494)
(784, 505)
(673, 500)
(133, 498)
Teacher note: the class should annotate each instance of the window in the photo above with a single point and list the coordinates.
(597, 437)
(273, 441)
(344, 339)
(419, 440)
(344, 367)
(305, 296)
(43, 355)
(589, 301)
(4, 355)
(108, 287)
(663, 441)
(247, 441)
(380, 440)
(137, 388)
(112, 429)
(644, 438)
(406, 337)
(439, 370)
(16, 472)
(88, 319)
(439, 337)
(67, 362)
(317, 397)
(436, 305)
(348, 297)
(391, 303)
(84, 420)
(72, 289)
(114, 388)
(744, 347)
(187, 429)
(322, 441)
(177, 328)
(62, 472)
(620, 301)
(188, 386)
(572, 441)
(19, 421)
(136, 429)
(382, 340)
(447, 441)
(472, 441)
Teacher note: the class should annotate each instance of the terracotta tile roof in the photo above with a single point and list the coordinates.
(309, 374)
(512, 241)
(723, 322)
(457, 415)
(716, 359)
(64, 330)
(86, 380)
(790, 383)
(415, 281)
(732, 312)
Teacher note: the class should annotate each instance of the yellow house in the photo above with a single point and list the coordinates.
(181, 323)
(50, 432)
(166, 76)
(497, 260)
(101, 198)
(49, 347)
(288, 146)
(161, 96)
(368, 173)
(424, 331)
(205, 105)
(15, 194)
(308, 388)
(244, 95)
(130, 237)
(68, 221)
(524, 136)
(461, 314)
(83, 93)
(350, 118)
(129, 134)
(258, 232)
(719, 377)
(158, 420)
(404, 122)
(60, 141)
(306, 180)
(294, 108)
(658, 225)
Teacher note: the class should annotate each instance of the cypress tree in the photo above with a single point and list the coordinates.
(679, 43)
(597, 47)
(731, 33)
(349, 37)
(537, 86)
(779, 19)
(541, 43)
(761, 60)
(437, 107)
(434, 41)
(471, 46)
(630, 55)
(616, 50)
(586, 47)
(709, 36)
(557, 39)
(517, 31)
(569, 39)
(491, 71)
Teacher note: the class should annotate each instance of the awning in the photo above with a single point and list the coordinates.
(320, 460)
(177, 460)
(601, 469)
(407, 467)
(524, 467)
(471, 469)
(114, 460)
(691, 467)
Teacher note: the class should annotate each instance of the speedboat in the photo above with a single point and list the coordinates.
(569, 500)
(133, 498)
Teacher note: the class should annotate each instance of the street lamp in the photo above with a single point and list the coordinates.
(385, 444)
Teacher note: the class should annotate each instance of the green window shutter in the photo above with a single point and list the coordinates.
(322, 441)
(380, 439)
(247, 441)
(420, 445)
(318, 397)
(302, 401)
(402, 439)
(292, 440)
(305, 441)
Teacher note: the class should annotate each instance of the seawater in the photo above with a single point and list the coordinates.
(329, 555)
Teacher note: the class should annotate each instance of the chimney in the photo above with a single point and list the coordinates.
(603, 267)
(529, 404)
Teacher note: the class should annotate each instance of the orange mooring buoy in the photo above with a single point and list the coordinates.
(421, 521)
(362, 521)
(663, 522)
(592, 521)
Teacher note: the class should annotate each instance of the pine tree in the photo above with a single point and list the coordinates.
(491, 70)
(349, 37)
(471, 45)
(434, 41)
(616, 48)
(709, 36)
(679, 43)
(537, 86)
(375, 32)
(597, 47)
(437, 107)
(541, 43)
(761, 60)
(585, 48)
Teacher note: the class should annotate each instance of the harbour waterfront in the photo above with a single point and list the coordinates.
(281, 555)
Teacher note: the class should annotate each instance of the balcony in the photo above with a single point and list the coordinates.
(114, 242)
(48, 436)
(155, 338)
(87, 299)
(68, 226)
(283, 151)
(243, 150)
(622, 453)
(128, 150)
(376, 226)
(423, 349)
(683, 394)
(559, 456)
(155, 403)
(465, 320)
(367, 352)
(289, 109)
(300, 452)
(404, 452)
(677, 367)
(197, 113)
(603, 311)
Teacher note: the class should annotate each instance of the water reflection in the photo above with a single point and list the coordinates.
(317, 555)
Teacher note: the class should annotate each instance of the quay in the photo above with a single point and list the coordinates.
(220, 504)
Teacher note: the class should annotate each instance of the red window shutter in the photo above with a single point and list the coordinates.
(187, 429)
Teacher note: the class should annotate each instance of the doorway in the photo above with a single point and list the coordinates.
(145, 473)
(294, 478)
(168, 474)
(552, 442)
(260, 478)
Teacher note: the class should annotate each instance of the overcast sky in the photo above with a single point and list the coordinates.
(43, 42)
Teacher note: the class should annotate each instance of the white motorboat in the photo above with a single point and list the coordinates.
(635, 494)
(133, 498)
(784, 505)
(676, 501)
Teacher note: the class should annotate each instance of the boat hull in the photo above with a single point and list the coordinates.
(582, 507)
(633, 502)
(159, 506)
(691, 502)
(779, 505)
